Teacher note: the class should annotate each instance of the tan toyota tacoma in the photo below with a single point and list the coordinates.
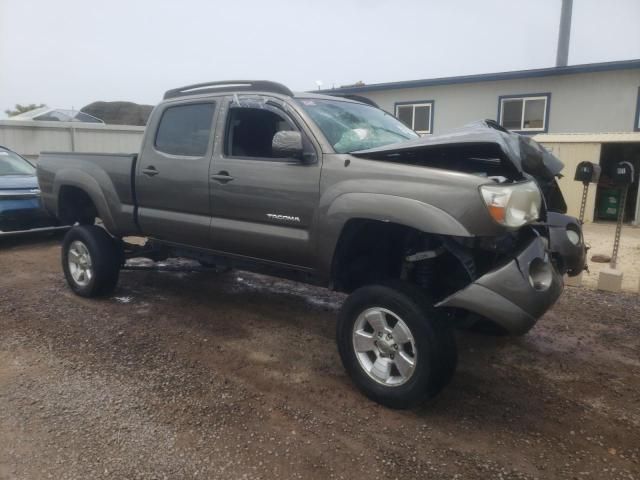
(425, 234)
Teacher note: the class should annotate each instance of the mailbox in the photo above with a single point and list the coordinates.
(623, 174)
(587, 172)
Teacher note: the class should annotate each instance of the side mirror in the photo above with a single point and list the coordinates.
(287, 144)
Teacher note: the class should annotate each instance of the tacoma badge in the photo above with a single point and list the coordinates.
(289, 218)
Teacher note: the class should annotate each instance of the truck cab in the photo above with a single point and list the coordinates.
(208, 176)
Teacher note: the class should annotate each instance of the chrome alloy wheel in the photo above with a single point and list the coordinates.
(80, 265)
(384, 346)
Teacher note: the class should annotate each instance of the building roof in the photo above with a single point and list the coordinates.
(489, 77)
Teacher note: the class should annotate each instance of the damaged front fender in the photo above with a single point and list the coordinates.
(515, 294)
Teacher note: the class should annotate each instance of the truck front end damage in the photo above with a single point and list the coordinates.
(511, 279)
(516, 293)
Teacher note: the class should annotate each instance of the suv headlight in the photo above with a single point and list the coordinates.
(512, 205)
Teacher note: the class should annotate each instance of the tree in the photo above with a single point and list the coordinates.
(18, 109)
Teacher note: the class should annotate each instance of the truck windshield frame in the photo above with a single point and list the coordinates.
(352, 126)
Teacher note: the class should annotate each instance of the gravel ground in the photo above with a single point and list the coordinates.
(201, 375)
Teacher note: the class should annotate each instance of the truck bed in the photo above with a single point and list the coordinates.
(106, 178)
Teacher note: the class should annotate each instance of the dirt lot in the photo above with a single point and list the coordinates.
(198, 375)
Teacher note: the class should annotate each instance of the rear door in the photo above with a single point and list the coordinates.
(172, 178)
(262, 207)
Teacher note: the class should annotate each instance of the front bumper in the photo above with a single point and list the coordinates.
(570, 258)
(516, 294)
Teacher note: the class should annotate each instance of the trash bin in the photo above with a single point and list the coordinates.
(609, 204)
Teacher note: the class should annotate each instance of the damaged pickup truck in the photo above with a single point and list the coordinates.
(425, 234)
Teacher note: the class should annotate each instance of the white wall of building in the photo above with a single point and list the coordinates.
(584, 102)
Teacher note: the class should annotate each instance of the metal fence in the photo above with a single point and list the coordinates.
(29, 138)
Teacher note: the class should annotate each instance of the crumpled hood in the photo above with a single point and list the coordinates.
(18, 182)
(525, 154)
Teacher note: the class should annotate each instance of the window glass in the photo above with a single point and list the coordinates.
(53, 116)
(416, 116)
(185, 129)
(524, 113)
(84, 117)
(534, 113)
(405, 115)
(250, 132)
(13, 164)
(512, 114)
(422, 118)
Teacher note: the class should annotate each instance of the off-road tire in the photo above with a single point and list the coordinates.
(106, 260)
(435, 343)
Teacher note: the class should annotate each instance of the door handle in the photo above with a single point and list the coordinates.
(222, 177)
(150, 171)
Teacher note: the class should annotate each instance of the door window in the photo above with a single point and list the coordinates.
(250, 132)
(185, 129)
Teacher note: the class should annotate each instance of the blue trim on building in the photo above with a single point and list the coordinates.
(419, 102)
(527, 95)
(489, 77)
(636, 126)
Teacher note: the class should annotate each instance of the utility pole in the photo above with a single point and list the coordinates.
(564, 34)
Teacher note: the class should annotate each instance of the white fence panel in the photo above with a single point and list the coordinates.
(31, 138)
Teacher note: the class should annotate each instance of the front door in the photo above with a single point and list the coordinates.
(262, 207)
(172, 178)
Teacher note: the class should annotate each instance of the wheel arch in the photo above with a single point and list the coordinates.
(73, 190)
(349, 212)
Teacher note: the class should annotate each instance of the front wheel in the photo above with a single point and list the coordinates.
(91, 261)
(395, 346)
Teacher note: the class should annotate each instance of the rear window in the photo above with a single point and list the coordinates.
(185, 129)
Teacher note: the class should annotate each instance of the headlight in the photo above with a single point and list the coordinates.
(512, 205)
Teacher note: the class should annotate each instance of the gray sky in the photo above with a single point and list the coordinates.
(71, 52)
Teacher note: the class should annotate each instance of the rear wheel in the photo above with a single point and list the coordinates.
(395, 346)
(91, 261)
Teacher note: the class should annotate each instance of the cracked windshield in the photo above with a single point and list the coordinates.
(350, 127)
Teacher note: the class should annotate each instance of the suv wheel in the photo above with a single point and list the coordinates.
(91, 261)
(395, 346)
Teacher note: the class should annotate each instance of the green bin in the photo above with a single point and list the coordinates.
(609, 204)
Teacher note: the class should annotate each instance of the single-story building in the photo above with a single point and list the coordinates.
(585, 112)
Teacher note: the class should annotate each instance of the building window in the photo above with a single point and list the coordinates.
(417, 116)
(527, 113)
